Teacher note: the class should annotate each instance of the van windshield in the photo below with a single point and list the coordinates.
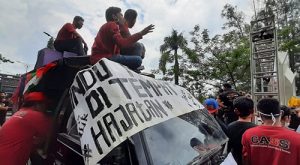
(185, 139)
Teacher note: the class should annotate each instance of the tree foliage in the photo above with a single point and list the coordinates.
(213, 60)
(223, 57)
(169, 54)
(287, 17)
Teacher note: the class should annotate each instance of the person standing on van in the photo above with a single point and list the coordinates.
(21, 132)
(270, 143)
(68, 39)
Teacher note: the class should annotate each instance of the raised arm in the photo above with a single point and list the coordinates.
(124, 42)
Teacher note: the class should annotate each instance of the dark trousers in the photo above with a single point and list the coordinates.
(137, 49)
(70, 45)
(230, 117)
(131, 61)
(2, 117)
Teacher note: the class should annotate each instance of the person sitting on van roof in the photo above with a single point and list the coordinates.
(109, 40)
(18, 134)
(130, 16)
(137, 48)
(68, 39)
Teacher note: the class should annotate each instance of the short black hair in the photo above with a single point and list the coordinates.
(110, 12)
(77, 18)
(205, 129)
(130, 14)
(267, 106)
(286, 110)
(244, 106)
(195, 141)
(227, 85)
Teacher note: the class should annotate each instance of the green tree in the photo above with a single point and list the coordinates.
(287, 17)
(222, 58)
(235, 19)
(169, 54)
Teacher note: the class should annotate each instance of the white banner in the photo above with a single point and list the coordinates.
(112, 103)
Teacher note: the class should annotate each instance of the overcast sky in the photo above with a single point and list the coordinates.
(24, 21)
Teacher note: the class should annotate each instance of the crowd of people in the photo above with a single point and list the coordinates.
(275, 140)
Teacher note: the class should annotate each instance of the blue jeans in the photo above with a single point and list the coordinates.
(131, 61)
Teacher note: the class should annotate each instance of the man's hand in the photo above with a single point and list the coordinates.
(147, 30)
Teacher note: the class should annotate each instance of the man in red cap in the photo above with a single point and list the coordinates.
(18, 134)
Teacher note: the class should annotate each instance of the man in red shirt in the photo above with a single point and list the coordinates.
(130, 16)
(270, 143)
(69, 40)
(109, 40)
(19, 134)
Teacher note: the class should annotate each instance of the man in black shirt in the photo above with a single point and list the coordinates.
(244, 108)
(227, 97)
